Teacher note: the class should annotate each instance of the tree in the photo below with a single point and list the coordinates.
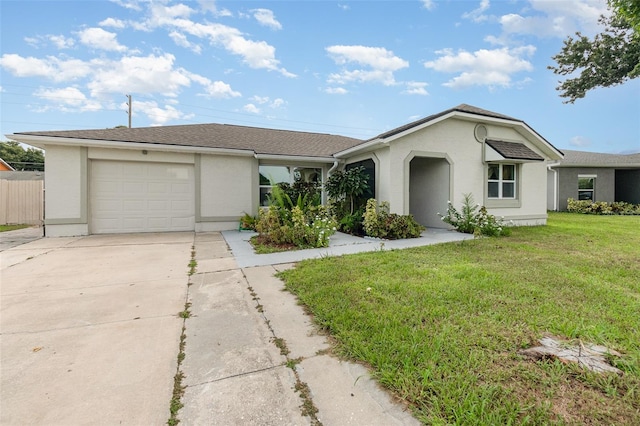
(20, 158)
(347, 186)
(609, 59)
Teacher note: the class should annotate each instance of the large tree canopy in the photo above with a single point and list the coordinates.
(609, 59)
(20, 158)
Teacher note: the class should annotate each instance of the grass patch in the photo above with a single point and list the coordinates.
(4, 228)
(441, 325)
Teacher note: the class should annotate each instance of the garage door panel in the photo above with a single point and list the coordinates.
(141, 197)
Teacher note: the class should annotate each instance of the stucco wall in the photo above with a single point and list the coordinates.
(568, 184)
(66, 191)
(228, 189)
(455, 139)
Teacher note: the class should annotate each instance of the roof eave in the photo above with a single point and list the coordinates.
(296, 158)
(43, 141)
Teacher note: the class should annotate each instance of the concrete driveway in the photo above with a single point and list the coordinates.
(90, 328)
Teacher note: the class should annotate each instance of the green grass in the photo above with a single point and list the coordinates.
(440, 326)
(4, 228)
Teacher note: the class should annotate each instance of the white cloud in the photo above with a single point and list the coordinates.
(265, 100)
(128, 4)
(256, 54)
(61, 42)
(113, 23)
(157, 114)
(277, 103)
(181, 40)
(482, 67)
(580, 141)
(428, 4)
(375, 57)
(336, 90)
(97, 38)
(382, 62)
(251, 108)
(344, 6)
(211, 7)
(50, 67)
(477, 15)
(416, 88)
(267, 18)
(138, 74)
(67, 99)
(556, 18)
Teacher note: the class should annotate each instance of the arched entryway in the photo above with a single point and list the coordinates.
(429, 189)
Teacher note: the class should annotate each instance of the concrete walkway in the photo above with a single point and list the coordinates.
(90, 333)
(253, 357)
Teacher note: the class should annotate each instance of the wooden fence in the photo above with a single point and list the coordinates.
(21, 202)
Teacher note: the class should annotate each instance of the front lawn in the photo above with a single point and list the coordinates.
(441, 325)
(4, 228)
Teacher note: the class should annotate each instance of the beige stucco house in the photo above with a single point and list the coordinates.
(204, 177)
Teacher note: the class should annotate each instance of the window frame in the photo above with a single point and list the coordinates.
(516, 183)
(292, 169)
(501, 181)
(592, 190)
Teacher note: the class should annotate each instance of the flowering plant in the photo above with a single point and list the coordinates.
(474, 219)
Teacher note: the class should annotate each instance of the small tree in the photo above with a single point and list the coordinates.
(346, 186)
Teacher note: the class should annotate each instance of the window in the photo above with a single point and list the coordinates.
(273, 175)
(586, 187)
(501, 181)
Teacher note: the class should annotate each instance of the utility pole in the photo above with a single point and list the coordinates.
(129, 103)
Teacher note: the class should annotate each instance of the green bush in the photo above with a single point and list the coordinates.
(474, 219)
(602, 207)
(345, 190)
(379, 223)
(310, 229)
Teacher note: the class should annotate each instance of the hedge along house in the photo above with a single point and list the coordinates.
(204, 177)
(593, 176)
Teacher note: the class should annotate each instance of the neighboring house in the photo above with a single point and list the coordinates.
(5, 167)
(593, 176)
(203, 177)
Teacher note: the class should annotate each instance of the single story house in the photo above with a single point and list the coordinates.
(593, 176)
(204, 177)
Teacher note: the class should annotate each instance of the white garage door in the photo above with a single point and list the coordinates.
(141, 197)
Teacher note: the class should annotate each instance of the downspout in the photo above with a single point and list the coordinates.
(555, 184)
(333, 168)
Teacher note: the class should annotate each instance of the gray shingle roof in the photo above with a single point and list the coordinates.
(513, 150)
(226, 136)
(584, 158)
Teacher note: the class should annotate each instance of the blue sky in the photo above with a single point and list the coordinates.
(355, 68)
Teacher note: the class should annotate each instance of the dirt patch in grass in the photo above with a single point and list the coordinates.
(262, 245)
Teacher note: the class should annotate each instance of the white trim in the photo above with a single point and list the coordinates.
(297, 158)
(42, 141)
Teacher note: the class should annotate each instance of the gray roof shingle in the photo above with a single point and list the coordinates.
(513, 150)
(226, 136)
(584, 158)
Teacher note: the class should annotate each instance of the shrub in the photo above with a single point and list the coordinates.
(602, 207)
(345, 190)
(474, 219)
(379, 223)
(310, 229)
